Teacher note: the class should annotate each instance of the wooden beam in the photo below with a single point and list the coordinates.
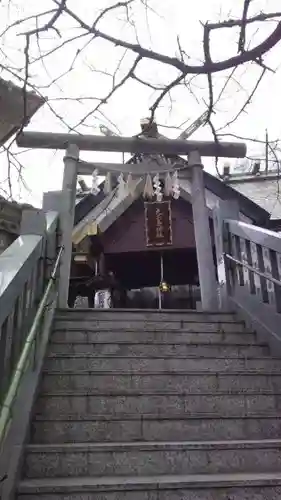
(48, 140)
(87, 168)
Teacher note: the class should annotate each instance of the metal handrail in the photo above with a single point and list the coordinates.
(253, 269)
(5, 413)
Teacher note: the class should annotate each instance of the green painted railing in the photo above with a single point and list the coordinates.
(6, 409)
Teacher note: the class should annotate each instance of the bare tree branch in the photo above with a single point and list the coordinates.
(208, 63)
(247, 56)
(116, 87)
(172, 74)
(231, 23)
(248, 101)
(50, 24)
(109, 9)
(242, 37)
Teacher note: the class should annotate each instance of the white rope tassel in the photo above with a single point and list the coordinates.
(157, 188)
(168, 189)
(130, 184)
(95, 188)
(176, 186)
(148, 191)
(121, 186)
(107, 184)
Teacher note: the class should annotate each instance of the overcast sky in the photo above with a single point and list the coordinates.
(157, 28)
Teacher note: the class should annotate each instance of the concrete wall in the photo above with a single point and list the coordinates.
(10, 220)
(6, 239)
(127, 234)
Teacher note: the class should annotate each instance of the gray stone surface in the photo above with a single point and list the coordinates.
(196, 427)
(138, 459)
(153, 326)
(124, 383)
(157, 349)
(247, 493)
(83, 406)
(178, 337)
(129, 400)
(98, 495)
(200, 487)
(139, 315)
(91, 363)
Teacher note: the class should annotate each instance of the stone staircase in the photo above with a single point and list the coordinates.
(154, 406)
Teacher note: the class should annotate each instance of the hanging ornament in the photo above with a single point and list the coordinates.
(121, 188)
(157, 188)
(95, 188)
(107, 184)
(82, 184)
(130, 184)
(148, 191)
(168, 188)
(176, 186)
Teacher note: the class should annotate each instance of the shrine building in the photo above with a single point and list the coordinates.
(145, 234)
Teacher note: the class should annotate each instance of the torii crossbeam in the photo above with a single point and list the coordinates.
(48, 140)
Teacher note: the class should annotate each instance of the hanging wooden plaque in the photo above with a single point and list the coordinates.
(158, 223)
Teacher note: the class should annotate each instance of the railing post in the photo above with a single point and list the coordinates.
(226, 209)
(205, 260)
(275, 274)
(33, 222)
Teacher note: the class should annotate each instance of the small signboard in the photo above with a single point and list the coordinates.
(158, 223)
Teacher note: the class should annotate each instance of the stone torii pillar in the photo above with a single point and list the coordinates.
(67, 218)
(204, 251)
(64, 202)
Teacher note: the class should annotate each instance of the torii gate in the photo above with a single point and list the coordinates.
(64, 201)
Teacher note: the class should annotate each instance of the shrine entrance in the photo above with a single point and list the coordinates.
(143, 269)
(142, 273)
(146, 259)
(151, 251)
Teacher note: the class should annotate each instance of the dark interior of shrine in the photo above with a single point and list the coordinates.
(135, 270)
(138, 276)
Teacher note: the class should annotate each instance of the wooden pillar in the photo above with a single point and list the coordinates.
(101, 265)
(205, 260)
(226, 209)
(67, 218)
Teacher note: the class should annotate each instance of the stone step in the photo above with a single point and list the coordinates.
(83, 406)
(152, 326)
(119, 459)
(144, 315)
(92, 363)
(177, 337)
(126, 383)
(69, 429)
(157, 349)
(247, 486)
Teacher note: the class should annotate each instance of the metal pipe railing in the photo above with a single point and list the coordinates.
(253, 269)
(5, 414)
